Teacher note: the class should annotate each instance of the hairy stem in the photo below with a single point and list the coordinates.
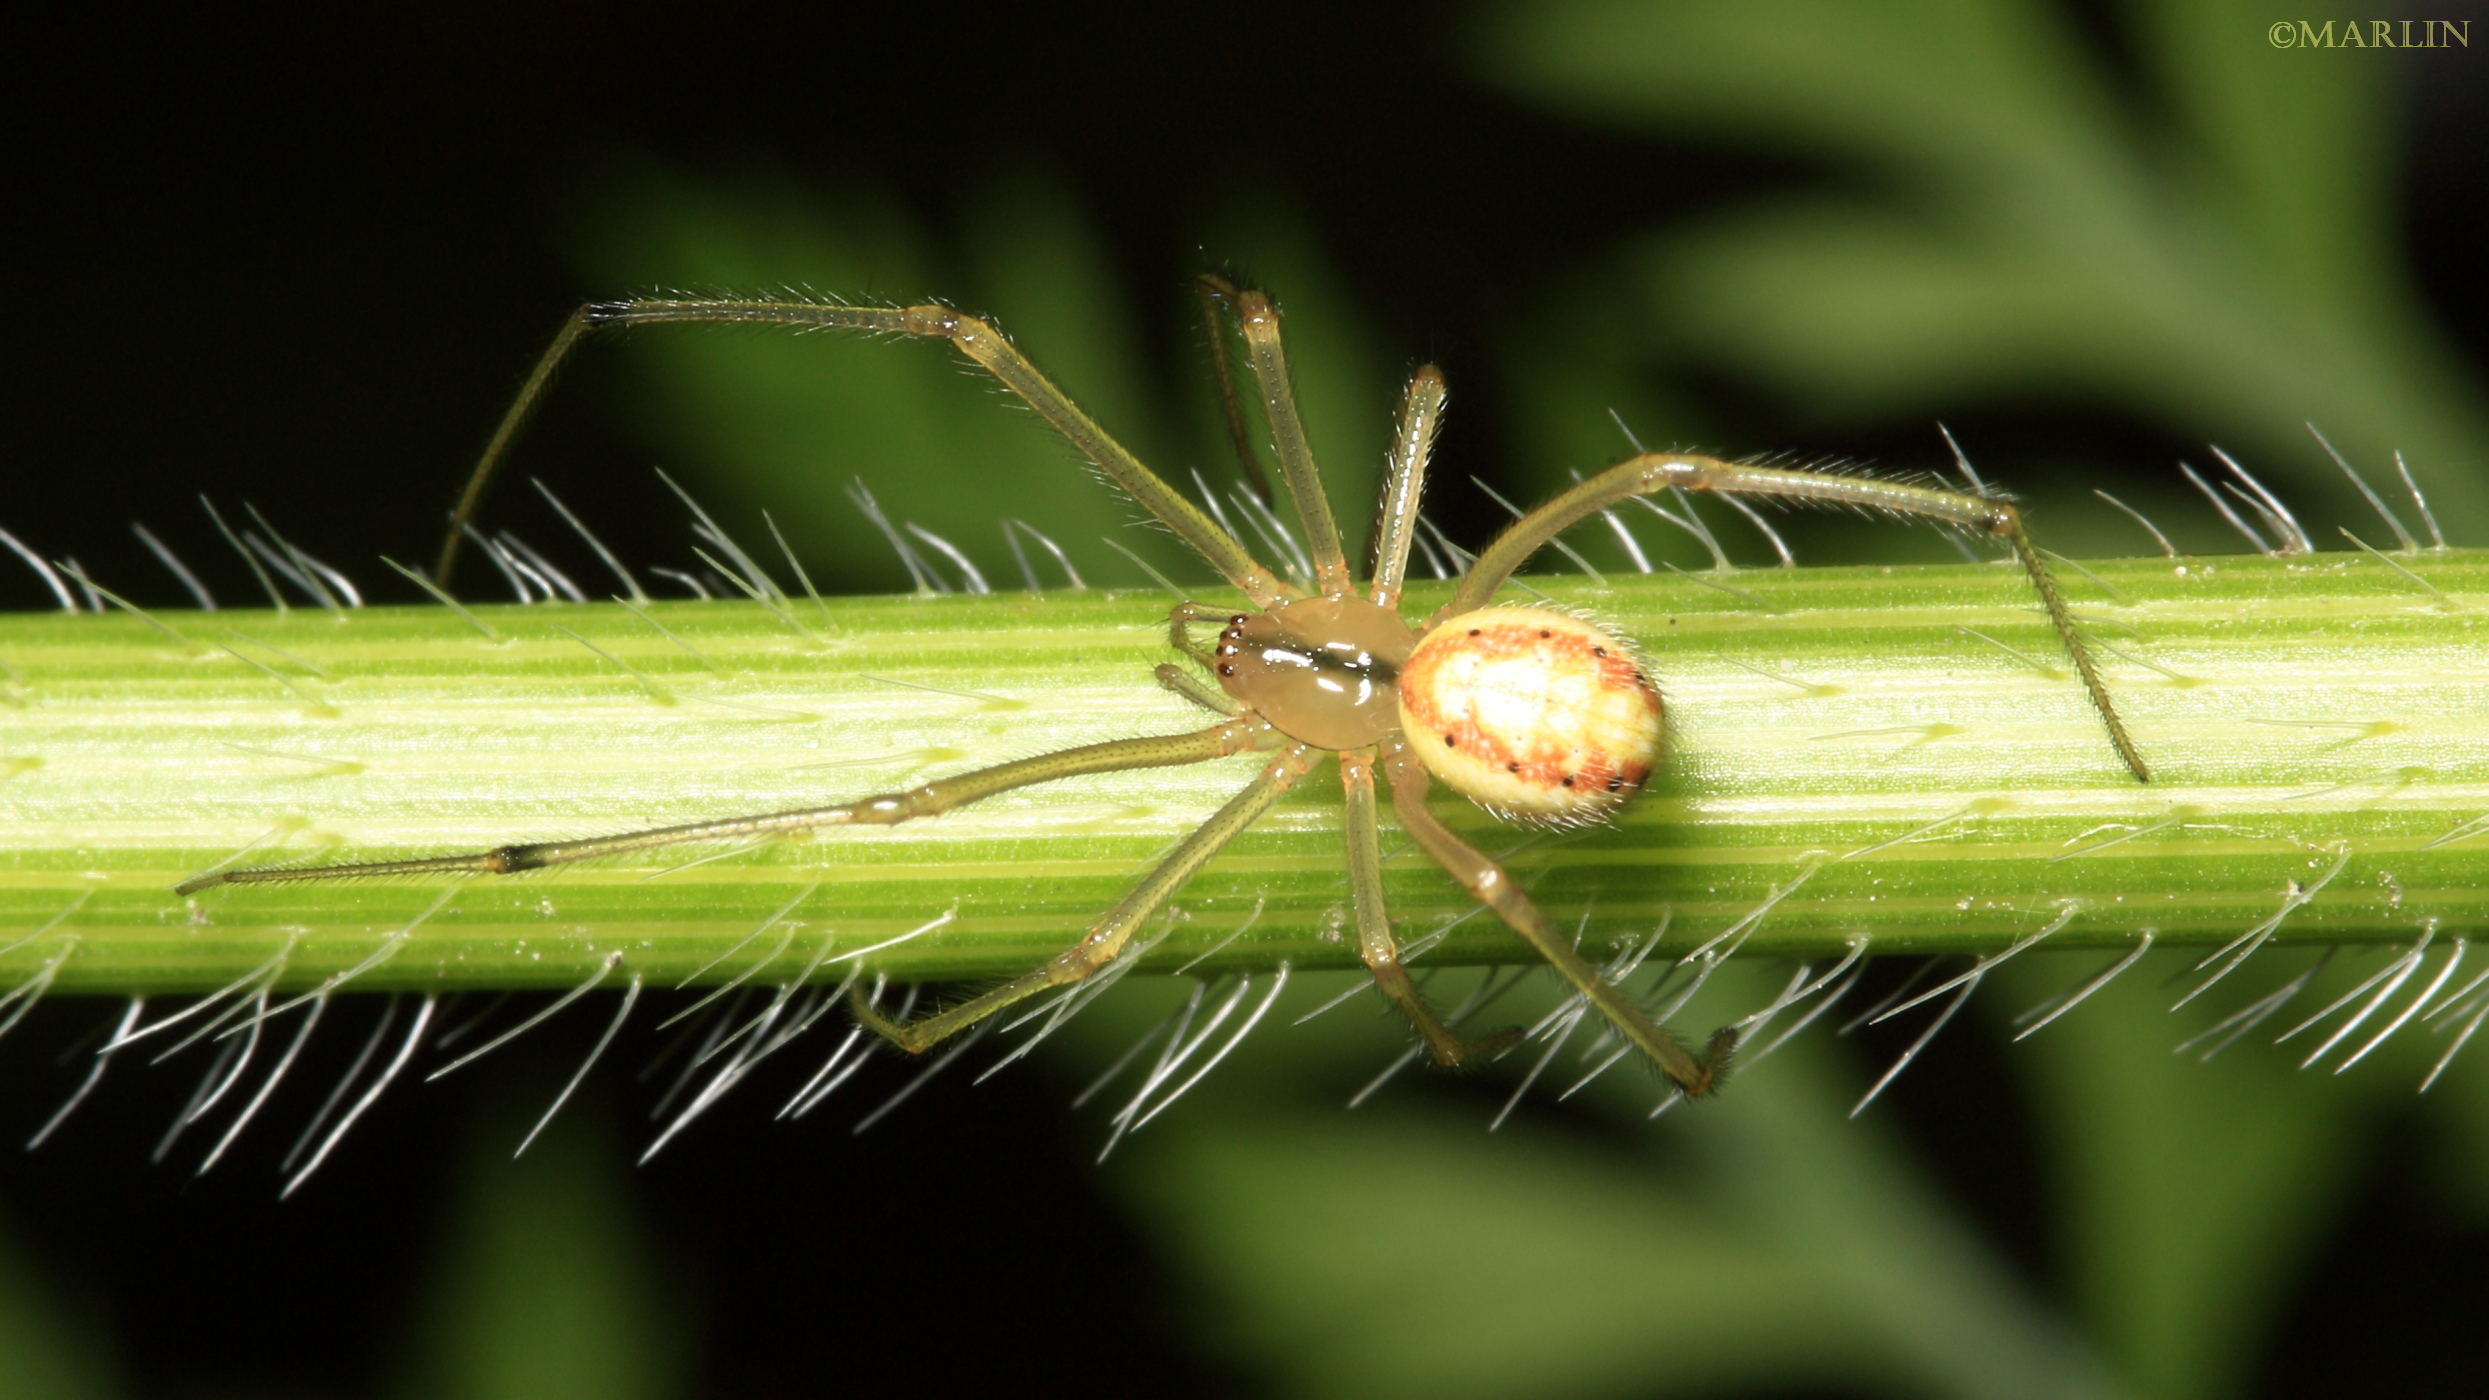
(1896, 755)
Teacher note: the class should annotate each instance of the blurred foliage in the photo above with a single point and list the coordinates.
(50, 1345)
(545, 1287)
(2002, 219)
(1765, 1242)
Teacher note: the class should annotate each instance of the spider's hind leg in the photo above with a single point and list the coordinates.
(1695, 1075)
(1650, 472)
(1374, 941)
(1108, 936)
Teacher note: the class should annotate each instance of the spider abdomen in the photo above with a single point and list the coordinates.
(1531, 713)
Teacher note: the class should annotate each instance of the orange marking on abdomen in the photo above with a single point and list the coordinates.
(1531, 711)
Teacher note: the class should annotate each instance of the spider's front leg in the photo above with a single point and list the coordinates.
(1694, 1074)
(1257, 321)
(1108, 936)
(971, 336)
(1237, 734)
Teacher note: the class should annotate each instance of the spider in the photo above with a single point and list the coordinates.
(1538, 716)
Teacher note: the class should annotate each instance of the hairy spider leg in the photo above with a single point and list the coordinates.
(1653, 472)
(1109, 934)
(972, 336)
(1488, 883)
(1257, 320)
(1374, 941)
(1213, 292)
(1233, 736)
(1395, 527)
(1413, 436)
(1404, 482)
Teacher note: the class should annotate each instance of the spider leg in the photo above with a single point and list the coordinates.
(1404, 482)
(1233, 736)
(1258, 321)
(1652, 472)
(1212, 291)
(1374, 940)
(973, 337)
(1109, 934)
(1695, 1075)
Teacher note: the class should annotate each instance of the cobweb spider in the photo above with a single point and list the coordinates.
(1536, 715)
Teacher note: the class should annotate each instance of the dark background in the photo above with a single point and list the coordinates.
(305, 259)
(302, 258)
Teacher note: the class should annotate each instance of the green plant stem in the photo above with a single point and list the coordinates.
(1847, 763)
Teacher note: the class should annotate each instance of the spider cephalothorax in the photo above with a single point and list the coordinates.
(1323, 671)
(1534, 714)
